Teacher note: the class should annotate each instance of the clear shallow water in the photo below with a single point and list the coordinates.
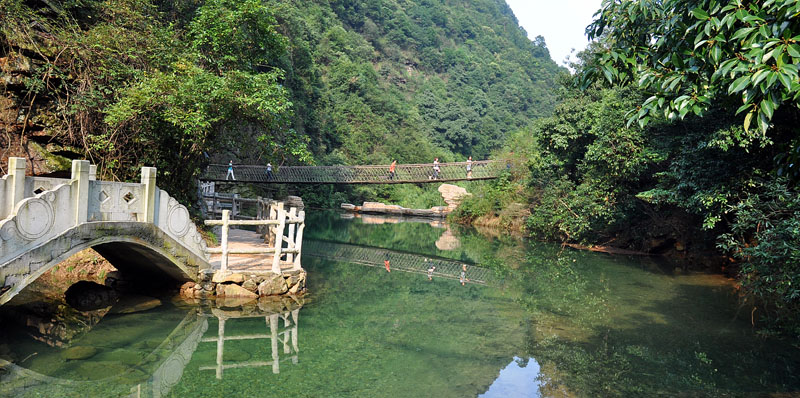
(548, 323)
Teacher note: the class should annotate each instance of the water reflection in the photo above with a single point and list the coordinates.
(400, 261)
(115, 367)
(548, 322)
(286, 335)
(517, 380)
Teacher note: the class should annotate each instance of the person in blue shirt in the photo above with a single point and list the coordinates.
(230, 171)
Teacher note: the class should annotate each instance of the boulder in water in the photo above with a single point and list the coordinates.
(133, 303)
(79, 352)
(89, 296)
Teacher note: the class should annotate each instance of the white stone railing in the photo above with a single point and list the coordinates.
(34, 210)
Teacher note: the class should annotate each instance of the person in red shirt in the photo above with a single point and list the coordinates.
(391, 169)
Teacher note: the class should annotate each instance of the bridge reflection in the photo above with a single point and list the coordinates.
(400, 261)
(286, 336)
(156, 373)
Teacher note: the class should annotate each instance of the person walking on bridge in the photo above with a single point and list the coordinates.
(391, 169)
(230, 172)
(430, 270)
(436, 168)
(469, 167)
(386, 262)
(269, 171)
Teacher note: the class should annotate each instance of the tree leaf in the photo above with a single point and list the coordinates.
(767, 107)
(747, 120)
(739, 84)
(699, 13)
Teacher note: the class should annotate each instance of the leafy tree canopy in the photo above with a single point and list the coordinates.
(691, 56)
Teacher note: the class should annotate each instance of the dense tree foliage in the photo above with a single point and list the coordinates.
(130, 88)
(693, 55)
(694, 173)
(716, 59)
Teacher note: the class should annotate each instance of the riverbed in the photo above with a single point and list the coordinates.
(526, 319)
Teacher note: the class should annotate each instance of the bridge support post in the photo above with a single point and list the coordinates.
(298, 242)
(276, 261)
(80, 193)
(295, 315)
(292, 228)
(149, 184)
(273, 328)
(16, 168)
(226, 216)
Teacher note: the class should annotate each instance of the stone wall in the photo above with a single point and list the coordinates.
(244, 285)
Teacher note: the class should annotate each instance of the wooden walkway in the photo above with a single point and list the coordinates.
(404, 173)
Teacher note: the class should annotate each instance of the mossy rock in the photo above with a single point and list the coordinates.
(133, 303)
(97, 370)
(135, 376)
(124, 356)
(79, 353)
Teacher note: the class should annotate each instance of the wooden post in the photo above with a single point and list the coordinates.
(273, 328)
(234, 212)
(276, 261)
(298, 243)
(295, 316)
(273, 215)
(259, 213)
(226, 214)
(214, 206)
(292, 229)
(220, 346)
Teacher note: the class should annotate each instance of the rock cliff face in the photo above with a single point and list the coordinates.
(30, 125)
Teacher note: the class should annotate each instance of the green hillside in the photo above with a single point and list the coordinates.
(180, 83)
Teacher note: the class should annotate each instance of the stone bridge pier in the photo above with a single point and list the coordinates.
(138, 227)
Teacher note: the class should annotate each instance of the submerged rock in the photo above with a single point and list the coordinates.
(133, 303)
(79, 352)
(88, 296)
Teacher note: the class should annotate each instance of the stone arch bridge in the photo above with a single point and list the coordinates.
(44, 220)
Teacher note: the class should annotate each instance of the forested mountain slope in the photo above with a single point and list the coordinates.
(179, 83)
(454, 74)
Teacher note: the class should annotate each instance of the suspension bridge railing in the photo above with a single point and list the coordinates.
(373, 174)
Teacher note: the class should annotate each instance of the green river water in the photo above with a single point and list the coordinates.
(532, 320)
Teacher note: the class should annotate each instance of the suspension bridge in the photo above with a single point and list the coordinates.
(370, 174)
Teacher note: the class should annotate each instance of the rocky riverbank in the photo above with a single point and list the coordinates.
(451, 194)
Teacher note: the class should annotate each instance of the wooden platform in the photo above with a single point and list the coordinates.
(244, 239)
